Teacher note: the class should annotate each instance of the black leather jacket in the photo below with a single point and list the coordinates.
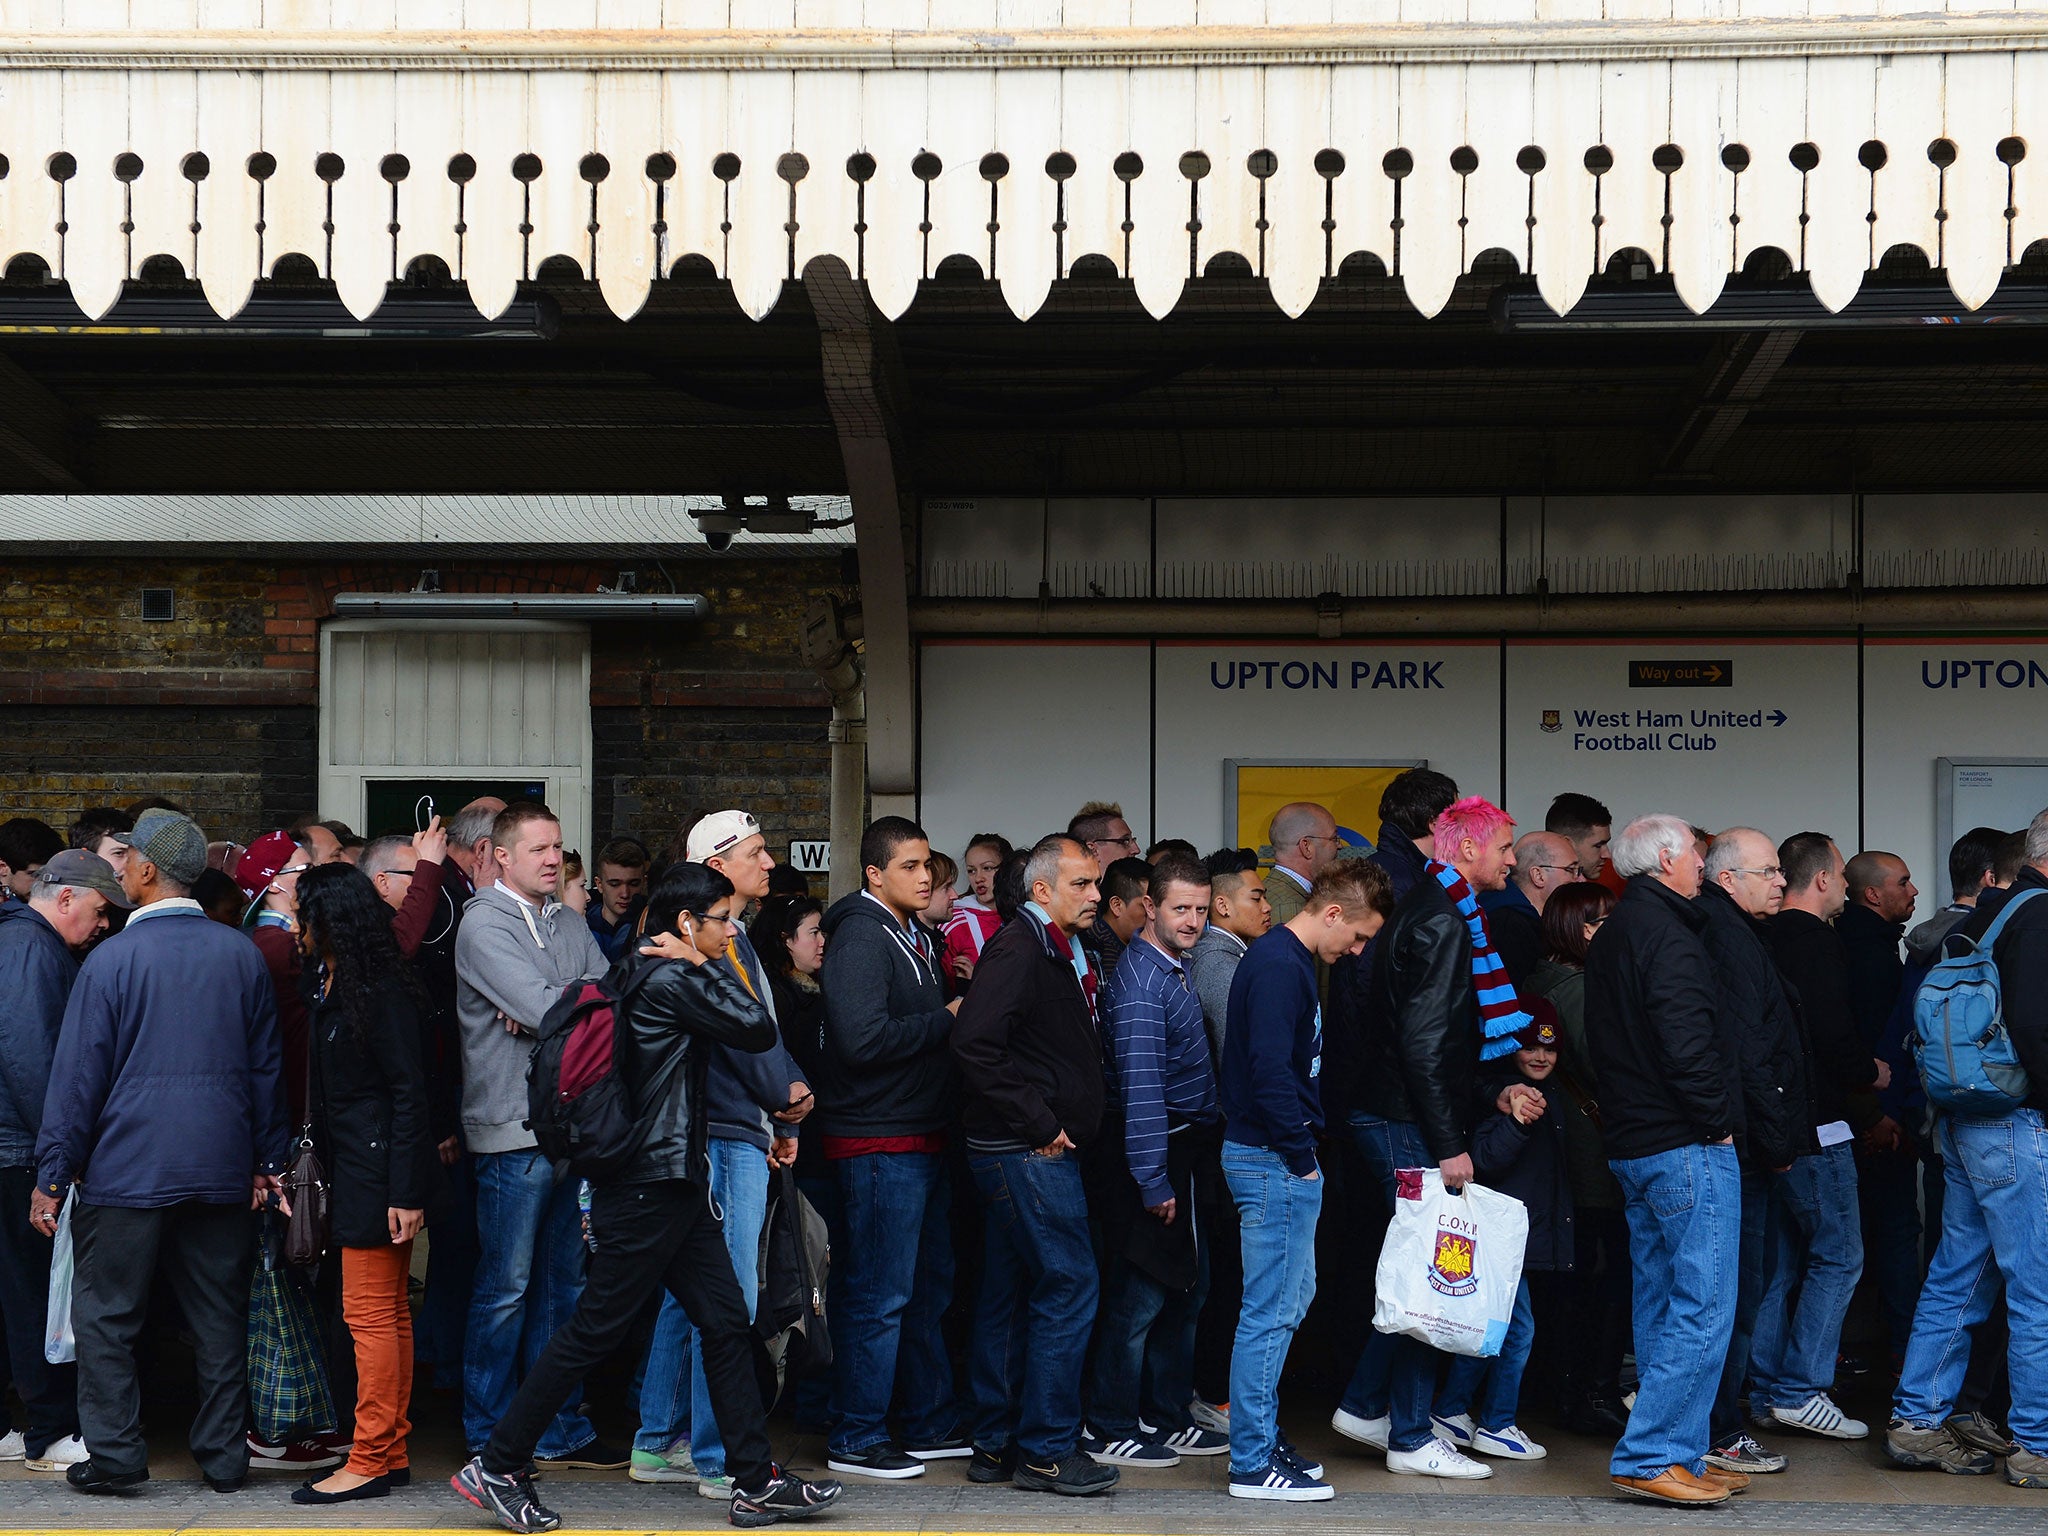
(1419, 1051)
(670, 1006)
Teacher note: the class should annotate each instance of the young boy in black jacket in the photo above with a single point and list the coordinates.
(1519, 1152)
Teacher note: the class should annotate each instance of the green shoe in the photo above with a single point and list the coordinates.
(656, 1467)
(715, 1487)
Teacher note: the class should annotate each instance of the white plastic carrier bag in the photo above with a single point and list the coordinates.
(1451, 1264)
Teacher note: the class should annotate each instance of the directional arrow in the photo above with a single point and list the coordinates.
(1713, 672)
(1777, 717)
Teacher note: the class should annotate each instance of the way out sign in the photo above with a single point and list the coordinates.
(1681, 674)
(811, 858)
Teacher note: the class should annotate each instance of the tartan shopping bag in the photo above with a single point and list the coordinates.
(288, 1394)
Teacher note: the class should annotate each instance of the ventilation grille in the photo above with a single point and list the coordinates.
(159, 605)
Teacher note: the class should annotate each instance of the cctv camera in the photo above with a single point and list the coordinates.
(719, 527)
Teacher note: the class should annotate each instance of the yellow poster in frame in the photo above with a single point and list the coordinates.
(1253, 789)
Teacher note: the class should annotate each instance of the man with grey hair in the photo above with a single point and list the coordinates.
(1996, 1168)
(469, 847)
(1305, 843)
(166, 1112)
(1671, 1103)
(40, 941)
(1514, 913)
(1743, 885)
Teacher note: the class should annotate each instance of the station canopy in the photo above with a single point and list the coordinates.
(1279, 138)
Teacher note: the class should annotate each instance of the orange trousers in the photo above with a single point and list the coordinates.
(374, 1303)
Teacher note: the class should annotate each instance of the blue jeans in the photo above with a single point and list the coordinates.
(1037, 1305)
(1816, 1260)
(529, 1274)
(673, 1396)
(1276, 1218)
(1396, 1375)
(1752, 1266)
(1145, 1348)
(891, 1292)
(1490, 1389)
(1994, 1221)
(1685, 1230)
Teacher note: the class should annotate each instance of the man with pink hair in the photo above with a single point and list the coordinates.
(1438, 1001)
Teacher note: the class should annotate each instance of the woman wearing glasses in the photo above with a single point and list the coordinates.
(1591, 1304)
(652, 1225)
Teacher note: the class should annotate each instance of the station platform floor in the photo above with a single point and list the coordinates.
(1830, 1487)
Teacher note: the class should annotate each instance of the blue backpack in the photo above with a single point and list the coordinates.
(1966, 1058)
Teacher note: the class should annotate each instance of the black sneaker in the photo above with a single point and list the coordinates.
(955, 1444)
(89, 1477)
(992, 1466)
(510, 1501)
(882, 1460)
(785, 1498)
(598, 1456)
(1075, 1473)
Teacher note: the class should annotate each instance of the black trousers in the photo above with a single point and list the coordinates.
(650, 1237)
(205, 1252)
(49, 1391)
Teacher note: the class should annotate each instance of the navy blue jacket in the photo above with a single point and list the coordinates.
(1273, 1052)
(167, 1080)
(36, 972)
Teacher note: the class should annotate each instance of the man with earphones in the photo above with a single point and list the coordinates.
(753, 1101)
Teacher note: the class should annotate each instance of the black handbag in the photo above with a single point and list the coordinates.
(310, 1226)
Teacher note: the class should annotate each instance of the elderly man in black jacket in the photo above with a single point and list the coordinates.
(1670, 1102)
(1742, 886)
(1031, 1064)
(652, 1224)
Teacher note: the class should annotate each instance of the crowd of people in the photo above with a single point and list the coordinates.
(1106, 1089)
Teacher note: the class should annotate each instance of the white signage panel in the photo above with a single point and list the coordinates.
(1340, 701)
(1720, 732)
(1933, 698)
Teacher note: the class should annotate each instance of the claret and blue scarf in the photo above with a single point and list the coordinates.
(1501, 1014)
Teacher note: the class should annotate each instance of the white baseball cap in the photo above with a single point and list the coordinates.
(719, 833)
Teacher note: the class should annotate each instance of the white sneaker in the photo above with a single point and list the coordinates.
(714, 1487)
(1209, 1415)
(1437, 1458)
(12, 1446)
(1509, 1444)
(1458, 1429)
(1372, 1432)
(58, 1455)
(1818, 1415)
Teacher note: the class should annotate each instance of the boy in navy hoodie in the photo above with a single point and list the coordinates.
(1518, 1151)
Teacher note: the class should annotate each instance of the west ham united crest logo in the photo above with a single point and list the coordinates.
(1553, 720)
(1450, 1269)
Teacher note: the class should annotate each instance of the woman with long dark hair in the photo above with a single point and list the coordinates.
(1590, 1306)
(370, 1094)
(787, 936)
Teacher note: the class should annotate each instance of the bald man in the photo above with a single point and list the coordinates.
(1514, 916)
(1304, 841)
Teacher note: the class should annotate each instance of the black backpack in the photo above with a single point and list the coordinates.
(789, 1313)
(578, 1103)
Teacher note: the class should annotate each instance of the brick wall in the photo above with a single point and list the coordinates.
(218, 708)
